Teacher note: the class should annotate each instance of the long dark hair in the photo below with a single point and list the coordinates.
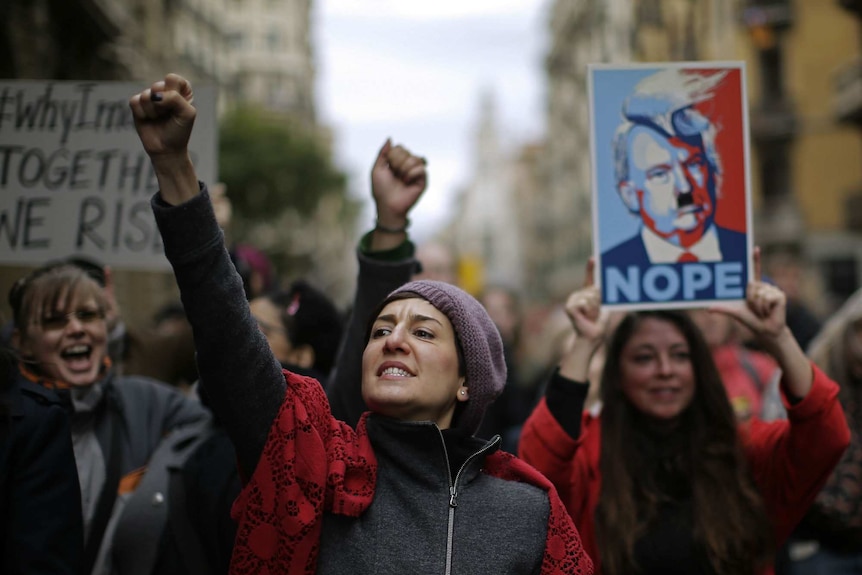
(310, 318)
(728, 514)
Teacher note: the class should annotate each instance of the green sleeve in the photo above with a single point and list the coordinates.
(402, 252)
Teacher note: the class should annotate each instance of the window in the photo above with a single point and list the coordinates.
(273, 41)
(771, 75)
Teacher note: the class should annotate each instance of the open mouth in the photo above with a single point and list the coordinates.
(77, 356)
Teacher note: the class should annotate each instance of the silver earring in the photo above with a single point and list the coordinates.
(463, 392)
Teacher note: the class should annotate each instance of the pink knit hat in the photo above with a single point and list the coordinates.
(480, 343)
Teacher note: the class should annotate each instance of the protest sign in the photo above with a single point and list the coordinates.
(671, 183)
(74, 178)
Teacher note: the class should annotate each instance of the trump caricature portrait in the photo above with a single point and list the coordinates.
(661, 183)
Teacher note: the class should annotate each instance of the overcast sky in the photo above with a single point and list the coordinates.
(416, 71)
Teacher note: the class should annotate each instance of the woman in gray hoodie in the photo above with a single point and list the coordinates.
(409, 489)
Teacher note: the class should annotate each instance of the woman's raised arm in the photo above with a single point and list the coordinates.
(240, 376)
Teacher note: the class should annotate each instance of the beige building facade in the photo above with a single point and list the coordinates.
(580, 33)
(252, 50)
(270, 59)
(804, 97)
(804, 81)
(486, 233)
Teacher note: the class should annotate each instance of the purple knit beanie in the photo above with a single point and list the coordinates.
(480, 341)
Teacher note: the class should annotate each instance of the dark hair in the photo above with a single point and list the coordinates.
(831, 348)
(729, 516)
(514, 298)
(310, 318)
(94, 269)
(248, 260)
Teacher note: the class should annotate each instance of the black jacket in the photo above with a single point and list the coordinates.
(41, 526)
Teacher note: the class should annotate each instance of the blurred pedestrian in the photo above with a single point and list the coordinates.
(255, 269)
(750, 377)
(510, 410)
(201, 481)
(829, 539)
(437, 262)
(387, 259)
(786, 270)
(303, 327)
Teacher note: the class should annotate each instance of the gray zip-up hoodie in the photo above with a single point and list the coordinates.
(433, 511)
(428, 517)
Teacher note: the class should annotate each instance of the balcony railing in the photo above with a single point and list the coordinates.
(847, 92)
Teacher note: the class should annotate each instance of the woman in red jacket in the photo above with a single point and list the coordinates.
(664, 480)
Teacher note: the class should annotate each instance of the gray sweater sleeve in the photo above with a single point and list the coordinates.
(376, 280)
(241, 377)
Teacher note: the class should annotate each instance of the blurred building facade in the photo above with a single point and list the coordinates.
(529, 179)
(257, 51)
(271, 60)
(838, 244)
(581, 33)
(113, 39)
(486, 230)
(253, 51)
(804, 80)
(805, 153)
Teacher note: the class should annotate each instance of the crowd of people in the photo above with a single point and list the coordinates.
(256, 428)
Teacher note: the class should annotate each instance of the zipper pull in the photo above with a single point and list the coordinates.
(452, 497)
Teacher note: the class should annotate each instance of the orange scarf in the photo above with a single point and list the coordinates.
(27, 371)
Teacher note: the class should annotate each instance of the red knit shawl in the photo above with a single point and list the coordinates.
(312, 462)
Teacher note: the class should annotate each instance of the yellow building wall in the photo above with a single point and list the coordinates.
(826, 168)
(827, 156)
(823, 37)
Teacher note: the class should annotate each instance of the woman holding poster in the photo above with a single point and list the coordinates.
(670, 203)
(664, 480)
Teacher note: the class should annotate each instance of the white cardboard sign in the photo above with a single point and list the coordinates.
(74, 178)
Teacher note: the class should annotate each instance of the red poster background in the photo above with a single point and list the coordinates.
(725, 110)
